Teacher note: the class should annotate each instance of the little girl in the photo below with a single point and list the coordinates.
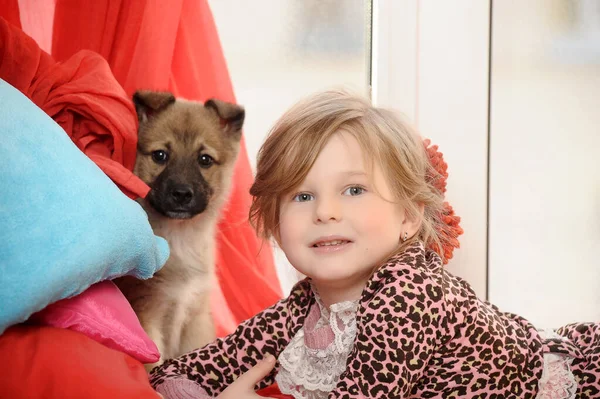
(348, 192)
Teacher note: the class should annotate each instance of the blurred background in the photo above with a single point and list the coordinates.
(509, 90)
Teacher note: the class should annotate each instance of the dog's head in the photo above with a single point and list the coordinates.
(186, 152)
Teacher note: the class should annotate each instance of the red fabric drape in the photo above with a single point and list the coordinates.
(56, 363)
(174, 46)
(82, 96)
(9, 10)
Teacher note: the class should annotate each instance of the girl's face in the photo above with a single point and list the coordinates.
(341, 222)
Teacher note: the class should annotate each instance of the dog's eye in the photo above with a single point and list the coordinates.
(160, 156)
(206, 161)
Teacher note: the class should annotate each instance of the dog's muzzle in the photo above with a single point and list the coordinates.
(182, 194)
(180, 197)
(178, 201)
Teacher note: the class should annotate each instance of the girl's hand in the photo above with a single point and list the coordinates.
(243, 387)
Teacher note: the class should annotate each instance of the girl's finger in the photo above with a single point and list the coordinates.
(251, 377)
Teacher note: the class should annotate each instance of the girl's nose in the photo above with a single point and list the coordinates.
(327, 210)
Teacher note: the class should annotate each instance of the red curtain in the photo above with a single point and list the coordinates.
(82, 96)
(153, 44)
(9, 10)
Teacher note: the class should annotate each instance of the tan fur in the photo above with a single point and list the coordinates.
(174, 305)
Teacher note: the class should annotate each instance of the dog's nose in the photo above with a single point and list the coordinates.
(182, 194)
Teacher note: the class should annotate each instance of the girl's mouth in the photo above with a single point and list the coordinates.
(330, 243)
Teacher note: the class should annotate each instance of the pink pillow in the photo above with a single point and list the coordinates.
(103, 314)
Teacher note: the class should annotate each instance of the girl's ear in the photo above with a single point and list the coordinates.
(412, 223)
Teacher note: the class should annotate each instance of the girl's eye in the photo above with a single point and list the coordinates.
(303, 197)
(354, 190)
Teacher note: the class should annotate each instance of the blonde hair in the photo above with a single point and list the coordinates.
(296, 140)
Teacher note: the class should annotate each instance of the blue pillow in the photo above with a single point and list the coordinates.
(64, 225)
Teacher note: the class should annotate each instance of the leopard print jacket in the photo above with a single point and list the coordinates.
(421, 333)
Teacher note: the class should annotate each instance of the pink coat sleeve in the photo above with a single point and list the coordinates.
(215, 366)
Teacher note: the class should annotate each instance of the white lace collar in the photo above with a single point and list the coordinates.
(311, 364)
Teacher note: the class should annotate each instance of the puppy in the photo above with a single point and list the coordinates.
(186, 154)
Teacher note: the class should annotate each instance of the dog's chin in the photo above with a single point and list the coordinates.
(178, 214)
(174, 212)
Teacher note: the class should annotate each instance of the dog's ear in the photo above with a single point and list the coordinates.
(148, 103)
(232, 115)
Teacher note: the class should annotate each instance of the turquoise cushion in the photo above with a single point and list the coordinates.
(64, 225)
